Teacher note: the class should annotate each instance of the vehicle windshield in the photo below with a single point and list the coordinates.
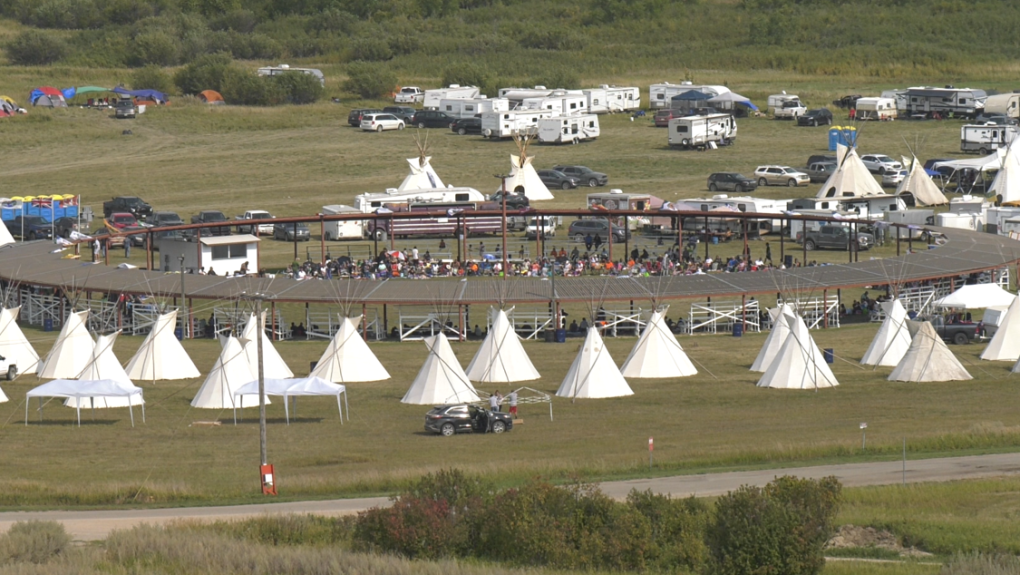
(260, 216)
(35, 220)
(214, 217)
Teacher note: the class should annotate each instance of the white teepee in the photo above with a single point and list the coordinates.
(161, 356)
(441, 380)
(524, 177)
(230, 372)
(501, 357)
(918, 183)
(893, 338)
(5, 236)
(273, 366)
(657, 353)
(799, 364)
(348, 358)
(104, 365)
(422, 175)
(851, 178)
(781, 317)
(71, 352)
(928, 359)
(1005, 344)
(13, 343)
(594, 373)
(1007, 181)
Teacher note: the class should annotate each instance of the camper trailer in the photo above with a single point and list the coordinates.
(284, 68)
(568, 129)
(876, 109)
(437, 219)
(898, 96)
(873, 207)
(617, 200)
(369, 203)
(506, 124)
(946, 101)
(611, 99)
(984, 139)
(469, 108)
(342, 229)
(701, 131)
(433, 98)
(776, 101)
(559, 102)
(660, 95)
(1008, 104)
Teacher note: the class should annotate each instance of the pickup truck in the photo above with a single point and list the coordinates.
(33, 228)
(209, 217)
(790, 110)
(264, 229)
(409, 95)
(130, 204)
(960, 333)
(834, 238)
(8, 368)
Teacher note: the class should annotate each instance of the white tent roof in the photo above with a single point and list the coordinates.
(501, 357)
(272, 364)
(525, 176)
(893, 338)
(13, 343)
(421, 177)
(83, 389)
(990, 162)
(441, 380)
(230, 372)
(3, 396)
(781, 317)
(851, 178)
(928, 359)
(1007, 181)
(348, 358)
(918, 183)
(288, 388)
(799, 364)
(1005, 343)
(657, 353)
(593, 373)
(71, 352)
(5, 236)
(161, 356)
(105, 365)
(977, 296)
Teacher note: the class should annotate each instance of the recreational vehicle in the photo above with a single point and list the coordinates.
(898, 96)
(437, 219)
(617, 200)
(506, 124)
(284, 68)
(984, 139)
(997, 216)
(469, 108)
(611, 99)
(863, 206)
(559, 102)
(433, 98)
(660, 95)
(517, 95)
(776, 101)
(743, 204)
(568, 129)
(342, 229)
(949, 101)
(1008, 104)
(699, 131)
(369, 203)
(876, 109)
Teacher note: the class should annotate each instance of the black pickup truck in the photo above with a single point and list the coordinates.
(209, 217)
(835, 238)
(130, 204)
(29, 227)
(959, 333)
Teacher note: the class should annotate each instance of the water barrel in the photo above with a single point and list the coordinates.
(179, 333)
(828, 354)
(561, 336)
(48, 324)
(738, 329)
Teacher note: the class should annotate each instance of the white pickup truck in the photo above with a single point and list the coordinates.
(8, 368)
(790, 110)
(264, 228)
(409, 95)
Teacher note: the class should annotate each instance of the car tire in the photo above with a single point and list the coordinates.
(378, 128)
(421, 125)
(400, 126)
(380, 235)
(565, 186)
(809, 245)
(12, 372)
(593, 183)
(739, 188)
(498, 427)
(961, 339)
(328, 237)
(32, 236)
(579, 238)
(983, 151)
(713, 188)
(447, 430)
(881, 170)
(462, 131)
(791, 183)
(762, 182)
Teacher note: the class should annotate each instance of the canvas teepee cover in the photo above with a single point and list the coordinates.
(13, 343)
(1005, 343)
(501, 357)
(928, 359)
(5, 236)
(918, 183)
(230, 372)
(422, 176)
(105, 365)
(593, 373)
(781, 317)
(893, 338)
(1007, 181)
(348, 358)
(851, 178)
(523, 175)
(161, 356)
(72, 351)
(657, 353)
(441, 380)
(799, 364)
(273, 365)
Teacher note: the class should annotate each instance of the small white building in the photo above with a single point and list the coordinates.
(224, 254)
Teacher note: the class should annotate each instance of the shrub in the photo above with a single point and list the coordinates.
(371, 50)
(35, 48)
(205, 73)
(152, 78)
(466, 75)
(413, 527)
(677, 529)
(369, 81)
(33, 542)
(157, 47)
(243, 21)
(246, 88)
(981, 564)
(299, 88)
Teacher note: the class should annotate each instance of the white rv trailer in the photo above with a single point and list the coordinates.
(454, 91)
(928, 101)
(559, 102)
(698, 131)
(342, 229)
(469, 108)
(568, 129)
(777, 100)
(369, 203)
(873, 207)
(506, 124)
(899, 96)
(659, 95)
(284, 68)
(985, 138)
(611, 99)
(876, 109)
(1008, 104)
(516, 95)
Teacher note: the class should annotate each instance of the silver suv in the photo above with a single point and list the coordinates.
(880, 164)
(781, 176)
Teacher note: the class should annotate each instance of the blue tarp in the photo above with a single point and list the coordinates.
(692, 95)
(151, 94)
(747, 104)
(69, 93)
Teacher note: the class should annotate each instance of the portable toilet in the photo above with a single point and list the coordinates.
(845, 135)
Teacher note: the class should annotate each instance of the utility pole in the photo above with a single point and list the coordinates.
(503, 178)
(184, 304)
(262, 381)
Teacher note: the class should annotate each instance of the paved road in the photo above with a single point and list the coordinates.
(92, 525)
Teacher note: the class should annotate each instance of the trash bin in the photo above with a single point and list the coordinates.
(561, 336)
(738, 329)
(828, 355)
(47, 324)
(550, 336)
(715, 239)
(179, 333)
(788, 261)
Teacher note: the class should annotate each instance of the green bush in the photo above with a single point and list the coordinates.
(982, 564)
(677, 529)
(466, 75)
(152, 78)
(205, 73)
(369, 80)
(247, 88)
(35, 48)
(371, 50)
(33, 542)
(157, 47)
(299, 88)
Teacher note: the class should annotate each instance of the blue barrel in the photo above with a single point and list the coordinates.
(561, 336)
(47, 324)
(179, 333)
(738, 329)
(828, 355)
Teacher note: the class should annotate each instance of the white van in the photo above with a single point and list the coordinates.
(568, 129)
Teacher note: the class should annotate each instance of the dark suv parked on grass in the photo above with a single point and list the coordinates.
(817, 117)
(431, 119)
(731, 182)
(467, 126)
(447, 420)
(405, 113)
(585, 176)
(579, 229)
(354, 118)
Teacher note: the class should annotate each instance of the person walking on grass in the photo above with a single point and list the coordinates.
(494, 401)
(512, 400)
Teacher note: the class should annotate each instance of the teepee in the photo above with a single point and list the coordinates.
(161, 356)
(1006, 184)
(523, 176)
(104, 365)
(657, 353)
(273, 366)
(422, 176)
(918, 184)
(348, 358)
(851, 179)
(230, 372)
(799, 363)
(501, 357)
(72, 351)
(1005, 344)
(13, 343)
(5, 236)
(441, 380)
(928, 359)
(781, 317)
(593, 373)
(893, 338)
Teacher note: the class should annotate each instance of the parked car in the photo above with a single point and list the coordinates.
(354, 118)
(35, 227)
(960, 333)
(816, 117)
(124, 108)
(410, 95)
(405, 113)
(662, 117)
(893, 179)
(380, 122)
(122, 220)
(165, 219)
(432, 119)
(464, 126)
(835, 237)
(448, 420)
(584, 175)
(820, 171)
(547, 226)
(880, 163)
(998, 119)
(820, 158)
(131, 204)
(731, 182)
(65, 225)
(291, 232)
(210, 217)
(555, 179)
(513, 201)
(781, 176)
(579, 229)
(847, 102)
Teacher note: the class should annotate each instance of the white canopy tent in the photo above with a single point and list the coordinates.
(13, 343)
(851, 178)
(230, 372)
(501, 357)
(441, 379)
(422, 176)
(524, 176)
(799, 364)
(893, 338)
(273, 365)
(105, 365)
(987, 163)
(1005, 344)
(928, 359)
(348, 358)
(977, 296)
(781, 317)
(657, 353)
(1007, 181)
(919, 184)
(82, 389)
(161, 356)
(292, 388)
(72, 351)
(593, 374)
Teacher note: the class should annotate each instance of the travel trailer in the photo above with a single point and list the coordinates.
(471, 107)
(700, 131)
(559, 102)
(660, 95)
(568, 129)
(1008, 104)
(876, 109)
(369, 203)
(284, 68)
(776, 101)
(342, 229)
(437, 220)
(945, 101)
(506, 124)
(433, 98)
(985, 138)
(873, 207)
(518, 95)
(898, 96)
(743, 204)
(617, 200)
(611, 99)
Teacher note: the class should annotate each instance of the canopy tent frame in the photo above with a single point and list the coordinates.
(29, 395)
(287, 397)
